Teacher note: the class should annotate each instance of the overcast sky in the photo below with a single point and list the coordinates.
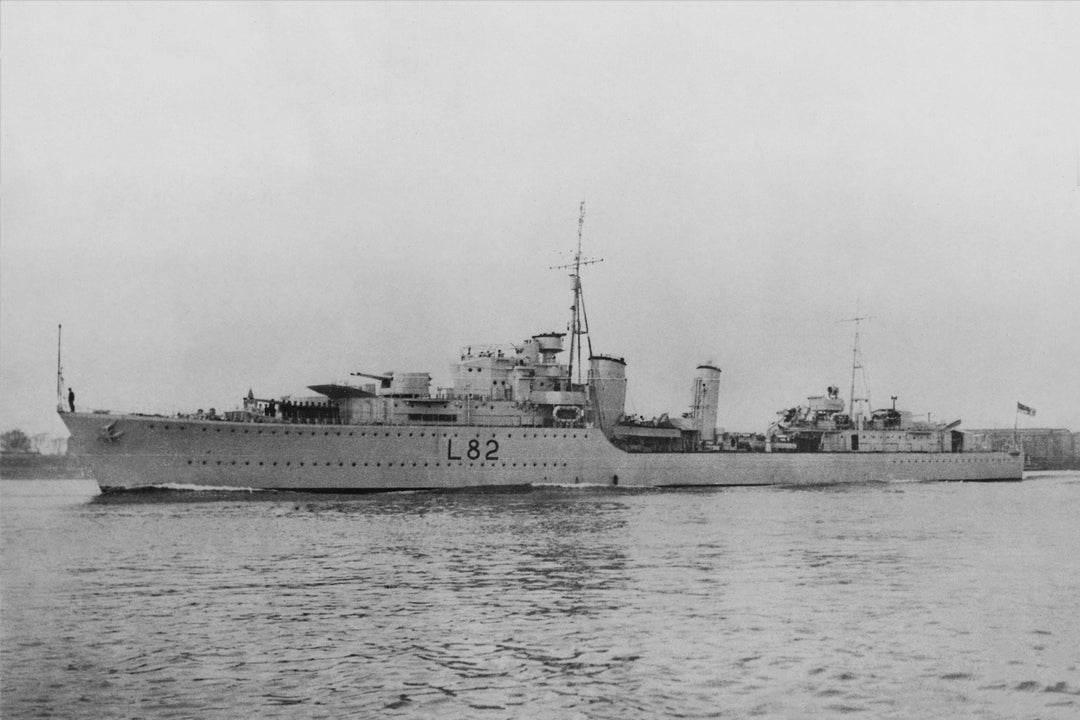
(213, 197)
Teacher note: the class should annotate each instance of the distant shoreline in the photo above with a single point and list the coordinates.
(33, 466)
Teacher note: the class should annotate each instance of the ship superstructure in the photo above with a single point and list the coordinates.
(822, 425)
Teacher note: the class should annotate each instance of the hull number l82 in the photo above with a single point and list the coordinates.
(489, 450)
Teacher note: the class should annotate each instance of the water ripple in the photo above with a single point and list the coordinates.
(930, 601)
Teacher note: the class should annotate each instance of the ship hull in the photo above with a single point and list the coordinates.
(127, 451)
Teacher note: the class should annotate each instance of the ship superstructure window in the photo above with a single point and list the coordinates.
(432, 417)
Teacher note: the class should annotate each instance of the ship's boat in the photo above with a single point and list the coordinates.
(541, 412)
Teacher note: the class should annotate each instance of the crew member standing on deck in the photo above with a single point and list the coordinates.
(71, 399)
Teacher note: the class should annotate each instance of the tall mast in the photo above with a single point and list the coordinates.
(579, 322)
(857, 364)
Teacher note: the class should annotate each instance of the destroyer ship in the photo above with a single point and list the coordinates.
(546, 411)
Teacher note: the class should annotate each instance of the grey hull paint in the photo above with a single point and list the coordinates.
(126, 451)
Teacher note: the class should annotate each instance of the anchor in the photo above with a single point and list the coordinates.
(109, 433)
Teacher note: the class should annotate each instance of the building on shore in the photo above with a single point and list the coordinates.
(1044, 448)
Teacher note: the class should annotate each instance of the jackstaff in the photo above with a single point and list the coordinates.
(59, 371)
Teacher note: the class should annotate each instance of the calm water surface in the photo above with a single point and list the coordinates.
(894, 601)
